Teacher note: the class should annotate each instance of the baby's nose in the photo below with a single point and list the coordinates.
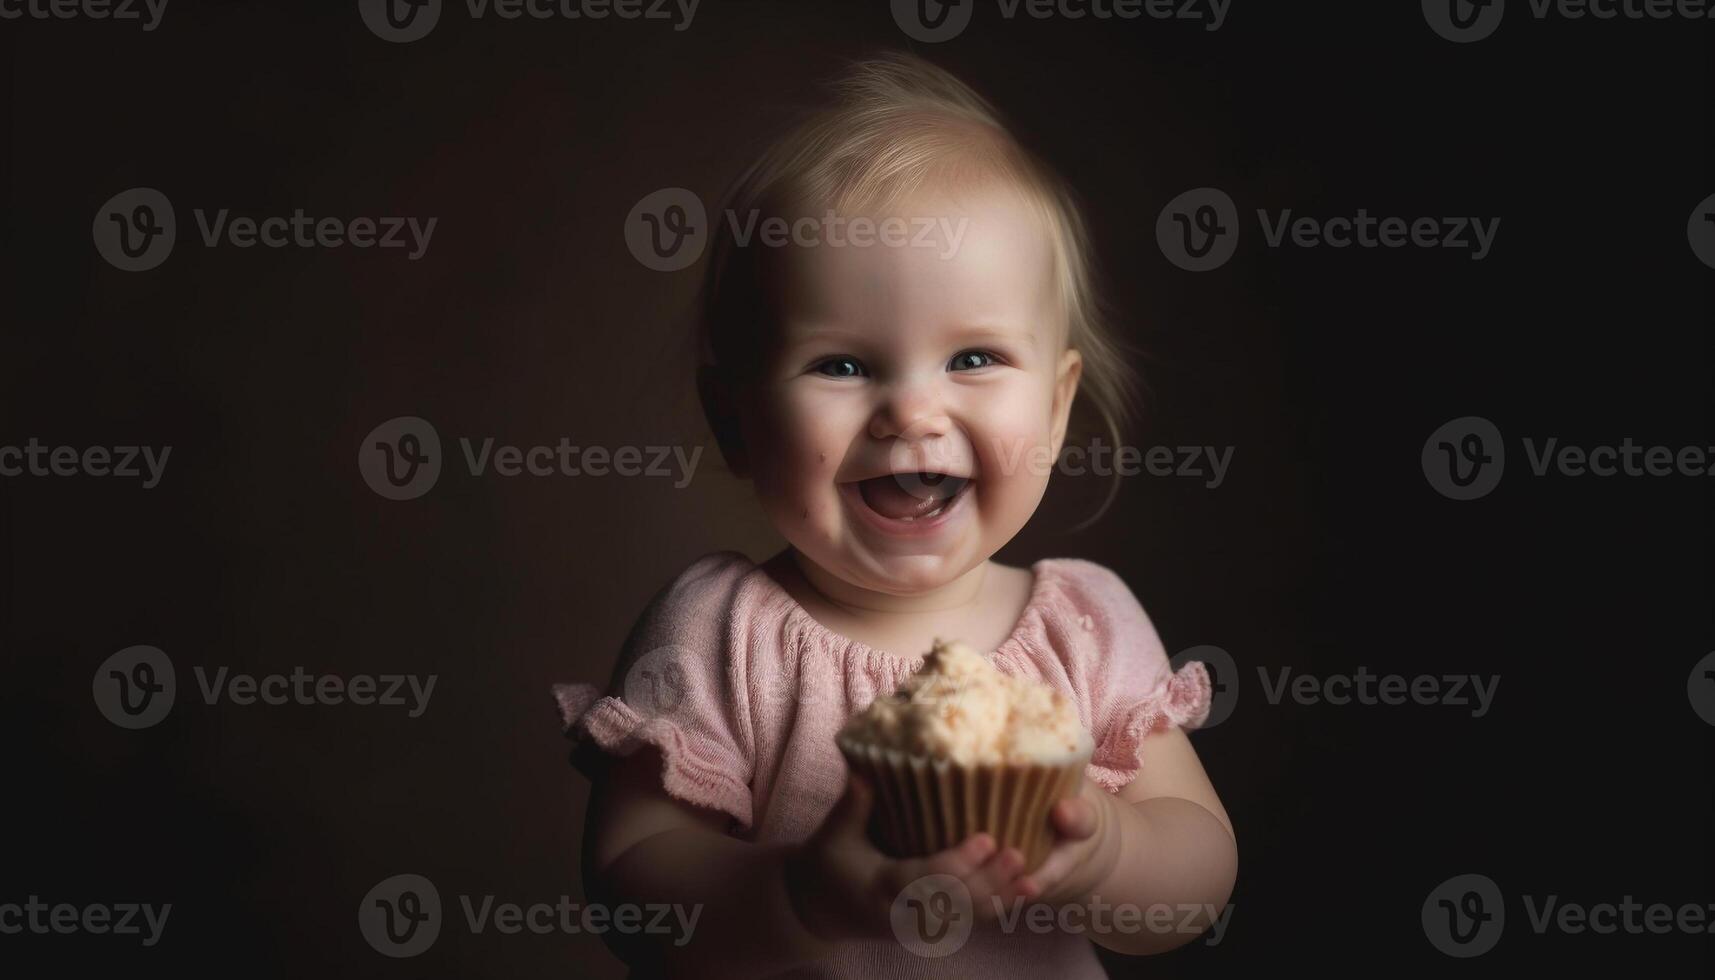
(910, 414)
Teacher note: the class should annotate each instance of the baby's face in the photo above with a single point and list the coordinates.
(905, 429)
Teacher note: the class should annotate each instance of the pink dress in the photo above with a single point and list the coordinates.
(743, 691)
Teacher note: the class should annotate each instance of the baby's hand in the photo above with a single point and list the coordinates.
(1087, 848)
(844, 887)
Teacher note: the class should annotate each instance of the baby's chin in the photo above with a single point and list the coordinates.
(901, 574)
(906, 574)
(861, 556)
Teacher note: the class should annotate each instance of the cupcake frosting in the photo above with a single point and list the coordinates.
(957, 706)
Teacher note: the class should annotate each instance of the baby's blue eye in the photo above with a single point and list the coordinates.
(971, 359)
(840, 367)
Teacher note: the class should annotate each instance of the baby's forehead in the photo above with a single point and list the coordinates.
(993, 205)
(940, 253)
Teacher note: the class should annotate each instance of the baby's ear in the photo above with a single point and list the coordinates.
(1068, 371)
(720, 409)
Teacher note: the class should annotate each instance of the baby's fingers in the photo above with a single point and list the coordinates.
(984, 888)
(1074, 818)
(960, 860)
(996, 882)
(1050, 874)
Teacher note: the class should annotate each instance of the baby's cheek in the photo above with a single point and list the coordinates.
(787, 435)
(804, 462)
(815, 486)
(1016, 443)
(1017, 460)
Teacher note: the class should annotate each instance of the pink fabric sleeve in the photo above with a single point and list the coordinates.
(1132, 687)
(679, 685)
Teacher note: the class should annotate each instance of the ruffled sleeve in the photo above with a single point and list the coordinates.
(680, 685)
(1131, 687)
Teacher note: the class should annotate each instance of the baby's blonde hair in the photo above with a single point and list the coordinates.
(894, 123)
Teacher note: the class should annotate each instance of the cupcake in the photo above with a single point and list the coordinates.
(962, 748)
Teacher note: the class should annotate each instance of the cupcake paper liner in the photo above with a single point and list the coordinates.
(926, 805)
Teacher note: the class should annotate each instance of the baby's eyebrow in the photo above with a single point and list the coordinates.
(798, 333)
(807, 334)
(993, 333)
(803, 334)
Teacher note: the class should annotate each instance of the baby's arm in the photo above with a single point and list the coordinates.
(1163, 841)
(643, 846)
(1177, 845)
(767, 908)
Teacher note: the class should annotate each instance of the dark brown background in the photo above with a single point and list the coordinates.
(528, 320)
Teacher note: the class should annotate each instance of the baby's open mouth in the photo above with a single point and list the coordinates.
(911, 496)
